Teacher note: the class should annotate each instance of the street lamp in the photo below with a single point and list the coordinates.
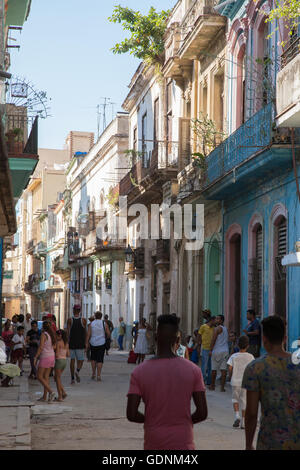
(129, 254)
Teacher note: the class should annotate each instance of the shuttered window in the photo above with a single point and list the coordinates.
(259, 264)
(280, 272)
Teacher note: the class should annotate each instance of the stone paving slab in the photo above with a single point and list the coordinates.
(15, 430)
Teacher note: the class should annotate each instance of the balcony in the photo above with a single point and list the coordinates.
(144, 181)
(22, 151)
(163, 254)
(88, 284)
(186, 41)
(111, 249)
(288, 87)
(253, 151)
(30, 246)
(40, 250)
(74, 251)
(136, 267)
(33, 281)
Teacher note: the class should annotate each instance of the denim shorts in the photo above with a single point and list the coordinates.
(77, 354)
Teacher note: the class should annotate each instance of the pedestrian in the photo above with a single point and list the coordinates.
(46, 357)
(168, 422)
(273, 381)
(253, 331)
(32, 340)
(88, 352)
(27, 323)
(52, 320)
(180, 349)
(61, 354)
(97, 332)
(134, 333)
(206, 316)
(204, 337)
(14, 323)
(18, 342)
(233, 343)
(219, 353)
(141, 345)
(111, 329)
(122, 332)
(237, 364)
(7, 335)
(195, 348)
(77, 338)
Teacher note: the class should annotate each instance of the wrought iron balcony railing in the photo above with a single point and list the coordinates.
(291, 51)
(254, 135)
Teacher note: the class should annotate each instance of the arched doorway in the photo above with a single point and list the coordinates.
(233, 278)
(214, 278)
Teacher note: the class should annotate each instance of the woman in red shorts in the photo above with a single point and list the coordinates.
(46, 356)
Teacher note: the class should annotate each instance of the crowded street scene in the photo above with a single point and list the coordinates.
(150, 258)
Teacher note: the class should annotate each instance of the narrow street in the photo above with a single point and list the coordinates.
(93, 417)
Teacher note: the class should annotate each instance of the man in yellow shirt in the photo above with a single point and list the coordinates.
(205, 335)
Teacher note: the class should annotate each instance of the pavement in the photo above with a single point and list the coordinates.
(93, 416)
(15, 428)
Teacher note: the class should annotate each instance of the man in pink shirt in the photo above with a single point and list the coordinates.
(166, 384)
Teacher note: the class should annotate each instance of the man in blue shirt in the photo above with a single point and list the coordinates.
(253, 331)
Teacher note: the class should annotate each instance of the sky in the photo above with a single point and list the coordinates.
(65, 51)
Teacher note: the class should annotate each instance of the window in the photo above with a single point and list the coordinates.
(169, 112)
(156, 121)
(135, 145)
(144, 139)
(280, 250)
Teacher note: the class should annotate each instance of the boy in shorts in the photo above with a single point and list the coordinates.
(237, 364)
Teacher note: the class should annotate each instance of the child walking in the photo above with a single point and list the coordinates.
(61, 354)
(237, 365)
(18, 342)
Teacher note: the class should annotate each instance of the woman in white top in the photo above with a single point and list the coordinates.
(181, 351)
(98, 331)
(141, 345)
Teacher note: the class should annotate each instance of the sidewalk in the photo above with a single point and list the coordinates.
(15, 431)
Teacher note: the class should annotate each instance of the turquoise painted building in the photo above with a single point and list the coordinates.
(253, 174)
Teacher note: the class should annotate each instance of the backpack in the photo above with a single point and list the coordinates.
(132, 358)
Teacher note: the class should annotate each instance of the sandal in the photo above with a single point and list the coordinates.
(51, 397)
(64, 395)
(58, 399)
(41, 399)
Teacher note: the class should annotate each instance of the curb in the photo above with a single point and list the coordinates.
(23, 433)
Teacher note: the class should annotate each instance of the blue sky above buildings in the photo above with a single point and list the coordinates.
(65, 51)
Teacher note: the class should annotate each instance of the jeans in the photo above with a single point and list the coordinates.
(120, 341)
(32, 352)
(206, 366)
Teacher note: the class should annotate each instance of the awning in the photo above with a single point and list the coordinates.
(8, 225)
(21, 170)
(17, 12)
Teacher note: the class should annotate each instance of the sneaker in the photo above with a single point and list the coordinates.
(72, 382)
(77, 377)
(236, 424)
